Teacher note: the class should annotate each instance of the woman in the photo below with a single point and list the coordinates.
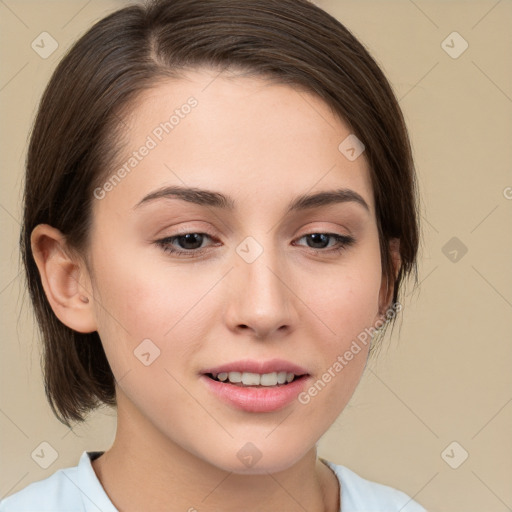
(219, 213)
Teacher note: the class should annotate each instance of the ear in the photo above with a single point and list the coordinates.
(387, 288)
(65, 280)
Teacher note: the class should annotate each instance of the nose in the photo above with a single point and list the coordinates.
(262, 300)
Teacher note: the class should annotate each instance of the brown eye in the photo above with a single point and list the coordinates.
(320, 241)
(185, 244)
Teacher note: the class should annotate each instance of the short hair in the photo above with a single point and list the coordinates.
(77, 134)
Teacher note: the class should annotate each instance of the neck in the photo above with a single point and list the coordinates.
(173, 479)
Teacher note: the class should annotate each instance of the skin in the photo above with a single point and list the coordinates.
(263, 144)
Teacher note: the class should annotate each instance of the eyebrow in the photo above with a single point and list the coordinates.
(218, 200)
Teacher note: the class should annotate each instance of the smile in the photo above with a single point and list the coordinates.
(256, 386)
(255, 379)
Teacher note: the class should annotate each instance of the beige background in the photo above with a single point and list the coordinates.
(447, 376)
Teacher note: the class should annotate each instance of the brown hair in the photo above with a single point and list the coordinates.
(77, 134)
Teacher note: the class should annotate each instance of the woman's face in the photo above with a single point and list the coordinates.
(254, 290)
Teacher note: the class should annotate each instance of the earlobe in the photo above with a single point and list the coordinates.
(65, 279)
(394, 248)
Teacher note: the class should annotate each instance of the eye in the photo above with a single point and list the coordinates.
(321, 240)
(190, 244)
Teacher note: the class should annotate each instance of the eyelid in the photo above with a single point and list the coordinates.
(176, 231)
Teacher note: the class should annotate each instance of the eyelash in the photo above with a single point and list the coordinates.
(343, 242)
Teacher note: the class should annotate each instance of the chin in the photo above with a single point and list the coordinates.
(259, 458)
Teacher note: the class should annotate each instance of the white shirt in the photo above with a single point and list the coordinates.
(77, 489)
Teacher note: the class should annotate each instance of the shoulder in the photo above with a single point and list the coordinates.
(55, 493)
(361, 495)
(72, 489)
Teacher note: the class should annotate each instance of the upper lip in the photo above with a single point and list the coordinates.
(261, 367)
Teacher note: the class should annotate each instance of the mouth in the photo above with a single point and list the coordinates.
(258, 380)
(256, 386)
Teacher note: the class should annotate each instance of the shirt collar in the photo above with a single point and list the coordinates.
(93, 494)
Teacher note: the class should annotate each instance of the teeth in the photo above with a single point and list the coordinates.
(268, 379)
(251, 379)
(235, 377)
(256, 379)
(281, 377)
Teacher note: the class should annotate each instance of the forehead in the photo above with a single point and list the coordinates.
(256, 140)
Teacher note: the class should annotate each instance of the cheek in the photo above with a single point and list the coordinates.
(345, 298)
(149, 304)
(346, 304)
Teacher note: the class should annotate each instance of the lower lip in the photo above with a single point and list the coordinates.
(256, 399)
